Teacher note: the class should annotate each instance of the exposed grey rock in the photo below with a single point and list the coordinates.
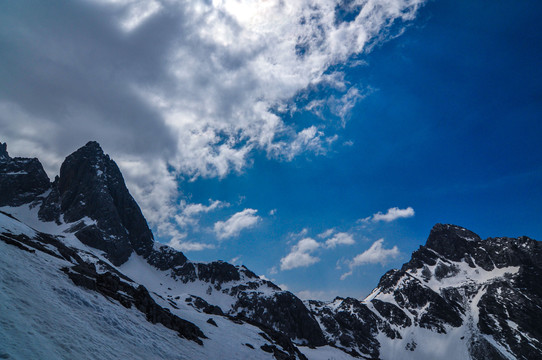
(281, 311)
(90, 192)
(22, 180)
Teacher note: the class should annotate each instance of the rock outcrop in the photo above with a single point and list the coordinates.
(22, 180)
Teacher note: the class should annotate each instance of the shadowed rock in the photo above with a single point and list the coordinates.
(21, 179)
(90, 192)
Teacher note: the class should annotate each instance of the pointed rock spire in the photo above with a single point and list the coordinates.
(90, 192)
(4, 151)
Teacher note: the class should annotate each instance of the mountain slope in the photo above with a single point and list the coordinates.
(77, 256)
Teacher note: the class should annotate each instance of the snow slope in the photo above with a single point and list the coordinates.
(43, 315)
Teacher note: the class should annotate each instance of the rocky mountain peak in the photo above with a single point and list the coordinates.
(4, 151)
(92, 146)
(90, 192)
(22, 180)
(451, 241)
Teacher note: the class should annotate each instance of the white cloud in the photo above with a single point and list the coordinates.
(316, 295)
(180, 245)
(272, 212)
(197, 86)
(341, 238)
(236, 223)
(326, 233)
(376, 254)
(300, 255)
(190, 212)
(391, 215)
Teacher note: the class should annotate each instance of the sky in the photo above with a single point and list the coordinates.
(315, 141)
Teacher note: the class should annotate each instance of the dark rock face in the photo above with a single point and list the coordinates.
(91, 186)
(392, 312)
(349, 323)
(166, 258)
(22, 180)
(451, 241)
(510, 312)
(216, 273)
(282, 311)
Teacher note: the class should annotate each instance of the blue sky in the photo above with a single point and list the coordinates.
(250, 151)
(451, 128)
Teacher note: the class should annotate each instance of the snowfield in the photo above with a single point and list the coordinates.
(43, 315)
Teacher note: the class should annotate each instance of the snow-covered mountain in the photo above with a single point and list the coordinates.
(82, 277)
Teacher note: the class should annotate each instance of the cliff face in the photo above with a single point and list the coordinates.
(21, 180)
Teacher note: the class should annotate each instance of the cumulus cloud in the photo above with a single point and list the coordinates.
(391, 215)
(236, 223)
(300, 255)
(187, 89)
(376, 254)
(341, 238)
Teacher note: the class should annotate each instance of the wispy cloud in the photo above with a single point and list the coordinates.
(392, 214)
(376, 254)
(236, 223)
(179, 244)
(326, 233)
(190, 212)
(316, 295)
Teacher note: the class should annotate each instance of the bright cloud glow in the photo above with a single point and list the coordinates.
(236, 223)
(300, 255)
(376, 254)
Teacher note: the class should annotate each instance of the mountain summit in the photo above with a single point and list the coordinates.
(90, 193)
(77, 256)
